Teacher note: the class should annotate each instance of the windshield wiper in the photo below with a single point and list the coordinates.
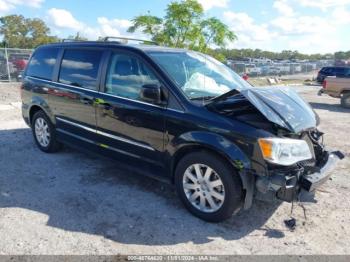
(200, 98)
(228, 94)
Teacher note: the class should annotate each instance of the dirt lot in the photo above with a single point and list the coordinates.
(74, 203)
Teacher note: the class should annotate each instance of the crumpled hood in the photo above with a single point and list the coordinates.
(282, 106)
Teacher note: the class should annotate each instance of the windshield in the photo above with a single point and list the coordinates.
(198, 75)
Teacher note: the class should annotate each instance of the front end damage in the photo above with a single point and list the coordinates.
(287, 184)
(283, 114)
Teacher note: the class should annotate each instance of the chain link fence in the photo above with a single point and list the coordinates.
(12, 63)
(266, 67)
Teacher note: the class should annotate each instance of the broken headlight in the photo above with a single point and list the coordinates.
(284, 151)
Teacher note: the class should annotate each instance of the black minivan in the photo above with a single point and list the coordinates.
(180, 116)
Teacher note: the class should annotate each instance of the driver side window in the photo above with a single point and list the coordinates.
(126, 75)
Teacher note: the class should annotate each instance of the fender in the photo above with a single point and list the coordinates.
(223, 147)
(42, 103)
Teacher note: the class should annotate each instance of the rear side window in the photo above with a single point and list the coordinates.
(42, 63)
(80, 68)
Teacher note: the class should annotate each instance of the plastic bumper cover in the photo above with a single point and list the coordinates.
(315, 180)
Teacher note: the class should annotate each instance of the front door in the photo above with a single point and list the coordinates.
(132, 128)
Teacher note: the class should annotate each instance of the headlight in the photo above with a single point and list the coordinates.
(284, 151)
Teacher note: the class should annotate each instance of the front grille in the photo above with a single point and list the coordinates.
(308, 163)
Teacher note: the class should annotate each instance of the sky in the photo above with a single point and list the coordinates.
(309, 26)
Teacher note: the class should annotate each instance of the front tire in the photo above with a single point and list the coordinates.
(44, 133)
(345, 100)
(208, 186)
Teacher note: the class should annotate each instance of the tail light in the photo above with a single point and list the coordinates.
(324, 85)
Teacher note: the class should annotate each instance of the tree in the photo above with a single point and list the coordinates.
(23, 32)
(184, 26)
(215, 32)
(77, 37)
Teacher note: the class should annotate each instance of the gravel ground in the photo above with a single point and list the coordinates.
(74, 203)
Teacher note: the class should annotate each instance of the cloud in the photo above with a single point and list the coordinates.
(113, 27)
(62, 18)
(301, 25)
(246, 28)
(341, 16)
(209, 4)
(323, 4)
(283, 7)
(8, 5)
(288, 29)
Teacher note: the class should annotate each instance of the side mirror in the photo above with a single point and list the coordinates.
(151, 93)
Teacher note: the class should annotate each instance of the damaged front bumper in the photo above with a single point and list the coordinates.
(287, 184)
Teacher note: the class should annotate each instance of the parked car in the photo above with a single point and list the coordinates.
(338, 87)
(252, 70)
(273, 70)
(179, 115)
(338, 71)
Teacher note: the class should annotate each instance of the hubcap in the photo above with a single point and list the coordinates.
(42, 132)
(203, 188)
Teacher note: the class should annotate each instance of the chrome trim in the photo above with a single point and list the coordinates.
(92, 142)
(132, 100)
(124, 140)
(106, 134)
(141, 102)
(77, 125)
(62, 84)
(103, 93)
(175, 110)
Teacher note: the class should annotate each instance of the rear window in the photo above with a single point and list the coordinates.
(80, 68)
(325, 70)
(42, 63)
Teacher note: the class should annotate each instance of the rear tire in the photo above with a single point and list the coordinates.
(44, 133)
(345, 100)
(213, 198)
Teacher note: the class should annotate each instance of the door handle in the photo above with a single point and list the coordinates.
(103, 103)
(86, 100)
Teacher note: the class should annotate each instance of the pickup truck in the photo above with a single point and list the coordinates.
(339, 88)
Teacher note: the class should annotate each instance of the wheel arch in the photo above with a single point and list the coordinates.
(230, 152)
(37, 104)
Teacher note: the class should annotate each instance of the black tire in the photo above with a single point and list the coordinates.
(345, 100)
(53, 145)
(231, 181)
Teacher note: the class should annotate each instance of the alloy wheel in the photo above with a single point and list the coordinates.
(42, 132)
(203, 188)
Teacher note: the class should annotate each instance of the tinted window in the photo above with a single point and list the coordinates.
(126, 75)
(80, 68)
(42, 63)
(340, 70)
(343, 72)
(347, 73)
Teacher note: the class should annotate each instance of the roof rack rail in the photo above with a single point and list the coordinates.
(71, 40)
(127, 39)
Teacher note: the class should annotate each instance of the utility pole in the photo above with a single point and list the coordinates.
(7, 62)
